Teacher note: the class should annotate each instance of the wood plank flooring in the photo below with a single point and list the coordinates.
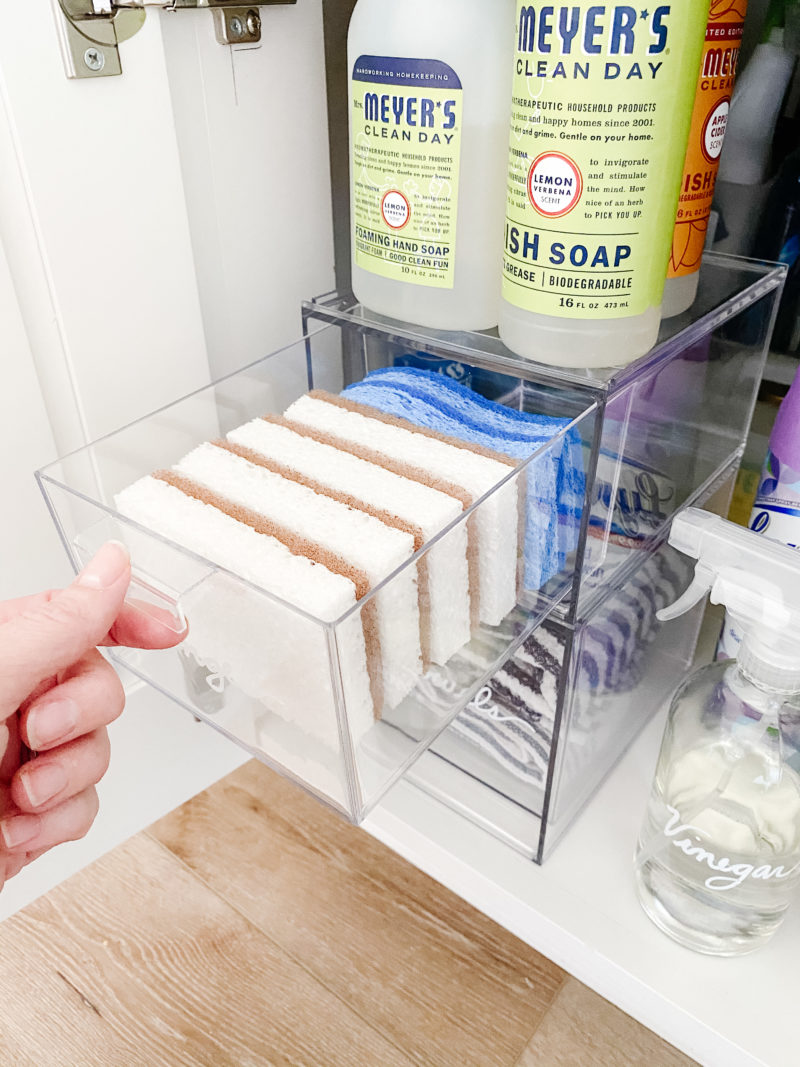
(252, 927)
(580, 1029)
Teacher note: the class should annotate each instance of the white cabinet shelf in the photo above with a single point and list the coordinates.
(580, 910)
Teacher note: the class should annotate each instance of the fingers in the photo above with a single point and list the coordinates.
(27, 833)
(9, 609)
(144, 627)
(89, 695)
(10, 748)
(14, 864)
(138, 625)
(46, 781)
(51, 798)
(50, 636)
(57, 694)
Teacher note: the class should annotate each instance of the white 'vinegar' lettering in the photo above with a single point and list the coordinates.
(735, 873)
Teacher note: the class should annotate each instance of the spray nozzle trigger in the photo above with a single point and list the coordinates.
(702, 583)
(758, 581)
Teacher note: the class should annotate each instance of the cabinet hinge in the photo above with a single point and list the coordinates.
(90, 31)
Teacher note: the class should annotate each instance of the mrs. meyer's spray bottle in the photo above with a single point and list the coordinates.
(719, 850)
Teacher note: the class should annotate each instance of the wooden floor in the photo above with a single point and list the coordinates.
(252, 927)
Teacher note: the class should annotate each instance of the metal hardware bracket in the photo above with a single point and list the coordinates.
(90, 31)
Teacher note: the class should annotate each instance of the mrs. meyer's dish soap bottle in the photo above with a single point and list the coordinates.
(430, 82)
(601, 105)
(718, 857)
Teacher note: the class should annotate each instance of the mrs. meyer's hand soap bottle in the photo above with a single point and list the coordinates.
(430, 82)
(718, 857)
(601, 105)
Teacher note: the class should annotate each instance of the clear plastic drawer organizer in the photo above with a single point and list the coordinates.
(517, 726)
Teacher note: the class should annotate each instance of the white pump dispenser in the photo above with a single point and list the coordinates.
(719, 851)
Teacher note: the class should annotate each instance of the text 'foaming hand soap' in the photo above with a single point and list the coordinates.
(430, 82)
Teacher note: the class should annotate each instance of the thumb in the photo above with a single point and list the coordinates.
(51, 637)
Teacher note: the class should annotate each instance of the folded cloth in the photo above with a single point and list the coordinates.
(512, 719)
(555, 482)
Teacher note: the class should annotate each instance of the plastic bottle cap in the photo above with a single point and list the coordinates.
(758, 581)
(767, 664)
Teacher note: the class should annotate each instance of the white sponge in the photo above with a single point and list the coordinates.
(497, 518)
(396, 499)
(359, 539)
(278, 656)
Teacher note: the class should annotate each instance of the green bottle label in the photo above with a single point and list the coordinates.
(602, 101)
(405, 141)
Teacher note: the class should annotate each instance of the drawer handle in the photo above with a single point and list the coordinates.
(145, 594)
(152, 599)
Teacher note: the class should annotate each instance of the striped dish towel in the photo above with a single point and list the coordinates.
(512, 719)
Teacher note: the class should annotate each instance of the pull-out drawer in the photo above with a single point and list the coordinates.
(340, 676)
(326, 686)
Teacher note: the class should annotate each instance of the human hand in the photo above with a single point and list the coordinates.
(57, 695)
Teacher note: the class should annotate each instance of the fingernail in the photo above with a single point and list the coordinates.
(43, 782)
(19, 830)
(105, 567)
(50, 722)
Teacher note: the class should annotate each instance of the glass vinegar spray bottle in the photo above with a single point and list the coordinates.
(718, 856)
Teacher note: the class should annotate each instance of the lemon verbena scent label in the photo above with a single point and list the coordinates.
(405, 139)
(600, 115)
